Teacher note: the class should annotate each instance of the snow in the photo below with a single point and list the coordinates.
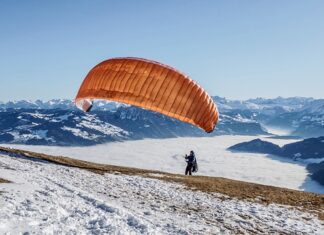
(40, 115)
(297, 154)
(278, 131)
(52, 199)
(61, 118)
(239, 118)
(104, 128)
(27, 127)
(80, 133)
(213, 159)
(91, 122)
(35, 134)
(311, 160)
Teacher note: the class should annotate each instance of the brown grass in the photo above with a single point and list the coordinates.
(311, 202)
(4, 181)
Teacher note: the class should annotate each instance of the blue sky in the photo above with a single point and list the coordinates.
(235, 49)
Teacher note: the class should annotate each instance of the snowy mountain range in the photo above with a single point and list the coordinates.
(63, 104)
(303, 117)
(74, 127)
(59, 122)
(262, 105)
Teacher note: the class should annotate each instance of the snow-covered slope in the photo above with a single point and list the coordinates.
(56, 127)
(52, 199)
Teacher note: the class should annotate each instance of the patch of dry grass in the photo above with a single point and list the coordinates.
(311, 202)
(4, 181)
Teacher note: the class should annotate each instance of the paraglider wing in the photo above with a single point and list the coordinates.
(150, 85)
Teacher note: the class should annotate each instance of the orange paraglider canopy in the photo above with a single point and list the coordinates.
(150, 85)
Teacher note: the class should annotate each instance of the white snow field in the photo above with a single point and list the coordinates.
(213, 159)
(51, 199)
